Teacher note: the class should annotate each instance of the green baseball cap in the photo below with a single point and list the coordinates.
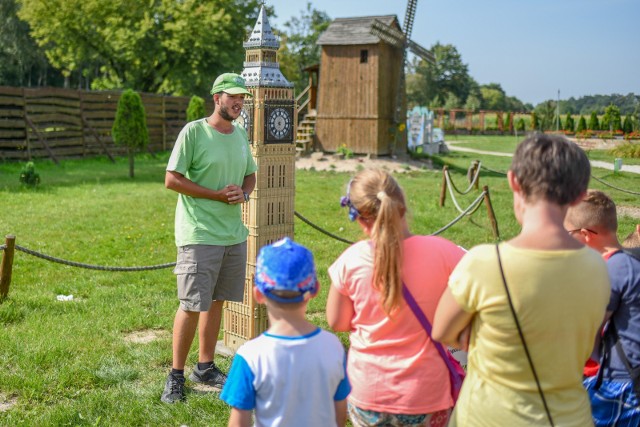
(230, 83)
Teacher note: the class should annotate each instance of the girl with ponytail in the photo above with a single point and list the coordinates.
(397, 375)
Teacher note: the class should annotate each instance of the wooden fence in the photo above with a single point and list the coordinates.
(63, 123)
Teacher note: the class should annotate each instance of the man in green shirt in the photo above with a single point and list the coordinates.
(212, 170)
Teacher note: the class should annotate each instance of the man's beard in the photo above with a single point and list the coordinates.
(224, 113)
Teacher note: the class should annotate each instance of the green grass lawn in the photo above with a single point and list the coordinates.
(70, 363)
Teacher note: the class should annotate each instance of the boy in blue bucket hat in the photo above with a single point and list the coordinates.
(294, 373)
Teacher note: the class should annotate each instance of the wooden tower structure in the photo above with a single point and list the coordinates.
(361, 94)
(270, 122)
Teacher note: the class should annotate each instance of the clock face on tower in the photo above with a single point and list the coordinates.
(279, 124)
(244, 119)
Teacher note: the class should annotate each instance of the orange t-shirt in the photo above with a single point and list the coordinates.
(392, 365)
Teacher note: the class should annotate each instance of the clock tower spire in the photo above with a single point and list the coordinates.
(270, 121)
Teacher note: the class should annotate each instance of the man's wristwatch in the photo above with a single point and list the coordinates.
(246, 196)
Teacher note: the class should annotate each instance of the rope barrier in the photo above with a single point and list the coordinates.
(89, 266)
(468, 211)
(473, 181)
(476, 202)
(453, 197)
(494, 171)
(306, 221)
(3, 247)
(472, 208)
(592, 176)
(614, 187)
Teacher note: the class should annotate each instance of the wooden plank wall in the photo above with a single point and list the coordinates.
(355, 103)
(64, 123)
(13, 128)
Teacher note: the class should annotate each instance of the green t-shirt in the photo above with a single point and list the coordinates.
(213, 160)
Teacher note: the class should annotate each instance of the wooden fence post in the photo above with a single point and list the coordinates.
(6, 265)
(443, 190)
(491, 213)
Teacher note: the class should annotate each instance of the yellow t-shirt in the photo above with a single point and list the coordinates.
(560, 299)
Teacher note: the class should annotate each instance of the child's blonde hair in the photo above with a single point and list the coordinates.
(378, 198)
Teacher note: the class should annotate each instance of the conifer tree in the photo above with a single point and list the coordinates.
(594, 123)
(196, 109)
(130, 126)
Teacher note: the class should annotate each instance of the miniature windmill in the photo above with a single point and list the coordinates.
(402, 40)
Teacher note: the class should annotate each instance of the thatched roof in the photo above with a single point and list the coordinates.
(354, 31)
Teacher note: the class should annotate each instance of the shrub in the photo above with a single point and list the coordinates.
(534, 121)
(569, 125)
(582, 124)
(506, 123)
(520, 125)
(611, 120)
(130, 126)
(345, 151)
(627, 150)
(29, 176)
(632, 135)
(196, 109)
(594, 123)
(627, 126)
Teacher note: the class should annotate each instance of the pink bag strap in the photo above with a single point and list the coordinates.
(411, 302)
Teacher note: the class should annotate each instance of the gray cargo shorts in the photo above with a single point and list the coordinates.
(208, 272)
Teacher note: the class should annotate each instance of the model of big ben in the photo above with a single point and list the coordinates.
(270, 120)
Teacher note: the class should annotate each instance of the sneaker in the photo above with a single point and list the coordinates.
(173, 389)
(211, 376)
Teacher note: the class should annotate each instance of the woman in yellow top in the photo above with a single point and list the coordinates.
(559, 291)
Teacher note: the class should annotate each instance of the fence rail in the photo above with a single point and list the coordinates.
(61, 123)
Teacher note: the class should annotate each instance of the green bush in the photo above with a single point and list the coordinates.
(627, 126)
(345, 151)
(534, 121)
(520, 125)
(130, 126)
(582, 125)
(196, 109)
(29, 176)
(594, 123)
(568, 123)
(611, 120)
(626, 150)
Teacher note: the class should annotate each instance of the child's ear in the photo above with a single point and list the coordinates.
(259, 296)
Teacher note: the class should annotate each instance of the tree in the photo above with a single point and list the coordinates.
(298, 48)
(473, 103)
(493, 97)
(627, 126)
(594, 123)
(611, 119)
(569, 123)
(22, 62)
(534, 121)
(429, 84)
(196, 108)
(547, 113)
(452, 102)
(582, 124)
(130, 126)
(175, 47)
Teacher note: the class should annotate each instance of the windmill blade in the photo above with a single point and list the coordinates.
(387, 33)
(421, 52)
(409, 16)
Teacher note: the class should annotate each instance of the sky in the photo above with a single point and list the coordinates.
(532, 48)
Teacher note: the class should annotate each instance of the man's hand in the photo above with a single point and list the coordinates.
(234, 194)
